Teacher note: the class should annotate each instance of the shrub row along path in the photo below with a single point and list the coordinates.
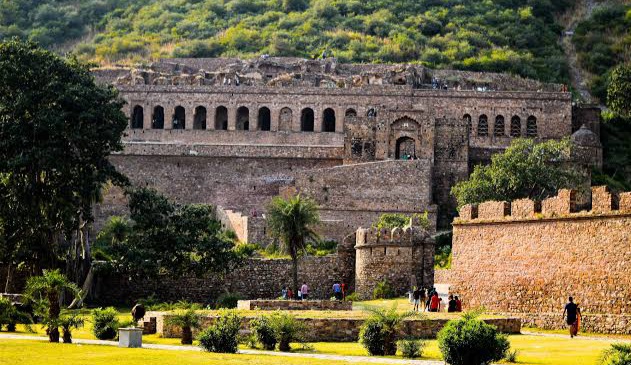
(352, 359)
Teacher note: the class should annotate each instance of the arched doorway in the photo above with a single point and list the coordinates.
(406, 148)
(199, 121)
(307, 120)
(179, 118)
(137, 117)
(243, 119)
(221, 118)
(284, 122)
(328, 122)
(265, 120)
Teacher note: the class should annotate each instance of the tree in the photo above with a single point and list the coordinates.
(526, 169)
(619, 91)
(380, 331)
(166, 238)
(186, 320)
(57, 128)
(49, 287)
(291, 221)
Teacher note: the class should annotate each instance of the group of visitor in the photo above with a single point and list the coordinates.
(288, 294)
(339, 291)
(432, 302)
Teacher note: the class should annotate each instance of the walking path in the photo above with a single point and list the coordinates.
(352, 359)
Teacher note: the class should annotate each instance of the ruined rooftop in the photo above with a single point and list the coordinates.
(324, 73)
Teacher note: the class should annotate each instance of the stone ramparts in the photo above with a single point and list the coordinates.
(529, 262)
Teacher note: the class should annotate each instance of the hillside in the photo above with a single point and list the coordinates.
(517, 36)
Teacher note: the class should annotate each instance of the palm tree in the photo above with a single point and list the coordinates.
(67, 323)
(186, 320)
(50, 286)
(291, 220)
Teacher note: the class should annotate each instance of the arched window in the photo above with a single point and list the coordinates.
(467, 119)
(221, 118)
(137, 117)
(498, 127)
(351, 112)
(328, 120)
(483, 126)
(371, 113)
(306, 120)
(157, 119)
(179, 118)
(265, 120)
(531, 127)
(285, 120)
(243, 119)
(200, 118)
(515, 126)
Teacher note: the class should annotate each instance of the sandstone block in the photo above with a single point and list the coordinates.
(493, 210)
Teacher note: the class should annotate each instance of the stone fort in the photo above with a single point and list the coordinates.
(360, 139)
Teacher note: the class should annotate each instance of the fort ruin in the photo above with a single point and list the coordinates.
(361, 139)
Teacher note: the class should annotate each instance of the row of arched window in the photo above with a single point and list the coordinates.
(242, 122)
(499, 127)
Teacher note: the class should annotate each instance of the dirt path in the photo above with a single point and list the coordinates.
(583, 10)
(350, 359)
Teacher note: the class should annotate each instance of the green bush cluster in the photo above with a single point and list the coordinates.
(383, 290)
(412, 348)
(228, 300)
(617, 354)
(11, 316)
(380, 331)
(223, 335)
(278, 328)
(470, 341)
(105, 323)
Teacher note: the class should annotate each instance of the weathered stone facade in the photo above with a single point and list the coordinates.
(295, 305)
(528, 262)
(234, 133)
(402, 257)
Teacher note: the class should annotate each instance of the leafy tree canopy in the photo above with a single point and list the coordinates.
(619, 91)
(526, 169)
(163, 237)
(57, 128)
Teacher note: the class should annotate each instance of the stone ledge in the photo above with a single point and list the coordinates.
(334, 305)
(597, 323)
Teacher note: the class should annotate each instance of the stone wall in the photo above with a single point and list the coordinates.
(254, 279)
(332, 305)
(531, 262)
(343, 329)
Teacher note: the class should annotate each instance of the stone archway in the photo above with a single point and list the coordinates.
(405, 149)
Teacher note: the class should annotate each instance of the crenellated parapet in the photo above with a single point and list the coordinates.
(603, 202)
(404, 257)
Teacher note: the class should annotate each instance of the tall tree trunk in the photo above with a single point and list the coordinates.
(53, 314)
(187, 335)
(85, 290)
(7, 285)
(294, 272)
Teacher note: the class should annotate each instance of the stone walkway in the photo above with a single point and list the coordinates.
(351, 359)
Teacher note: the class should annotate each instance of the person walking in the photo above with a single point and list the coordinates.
(417, 299)
(343, 291)
(434, 303)
(337, 291)
(573, 316)
(304, 290)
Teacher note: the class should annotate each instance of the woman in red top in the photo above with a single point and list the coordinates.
(434, 303)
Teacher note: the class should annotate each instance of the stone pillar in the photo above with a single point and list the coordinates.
(232, 118)
(210, 116)
(318, 119)
(340, 113)
(275, 115)
(253, 118)
(147, 115)
(169, 110)
(189, 117)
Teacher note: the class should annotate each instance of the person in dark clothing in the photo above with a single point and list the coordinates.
(573, 316)
(417, 298)
(452, 306)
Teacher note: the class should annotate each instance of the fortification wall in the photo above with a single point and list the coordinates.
(517, 258)
(253, 279)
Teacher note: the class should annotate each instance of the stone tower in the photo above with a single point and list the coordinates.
(402, 257)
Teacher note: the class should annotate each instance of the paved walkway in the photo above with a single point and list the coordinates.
(352, 359)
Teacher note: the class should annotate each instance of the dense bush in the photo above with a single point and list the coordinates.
(11, 316)
(223, 335)
(617, 354)
(470, 341)
(286, 329)
(411, 348)
(383, 290)
(228, 300)
(105, 323)
(379, 333)
(264, 332)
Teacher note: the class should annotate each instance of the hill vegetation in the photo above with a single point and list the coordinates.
(517, 36)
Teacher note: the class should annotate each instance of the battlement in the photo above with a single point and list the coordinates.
(563, 205)
(407, 236)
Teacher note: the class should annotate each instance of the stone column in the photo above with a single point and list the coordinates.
(189, 117)
(340, 113)
(169, 110)
(275, 116)
(318, 119)
(253, 118)
(210, 116)
(232, 118)
(147, 115)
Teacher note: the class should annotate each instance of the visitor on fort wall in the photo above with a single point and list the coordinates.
(573, 316)
(304, 291)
